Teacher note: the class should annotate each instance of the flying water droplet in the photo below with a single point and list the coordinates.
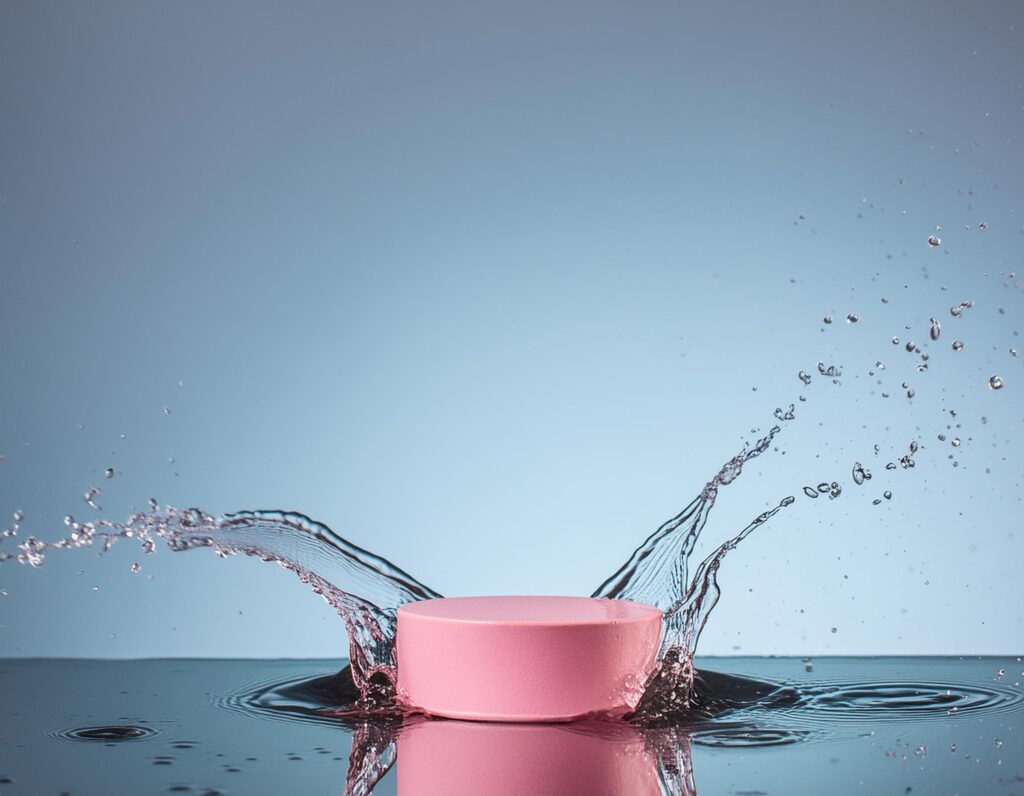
(136, 567)
(995, 382)
(18, 515)
(852, 317)
(827, 319)
(955, 442)
(935, 330)
(958, 345)
(787, 415)
(860, 473)
(934, 240)
(109, 472)
(811, 492)
(895, 341)
(805, 377)
(910, 346)
(90, 497)
(834, 490)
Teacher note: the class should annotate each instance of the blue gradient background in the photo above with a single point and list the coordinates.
(493, 289)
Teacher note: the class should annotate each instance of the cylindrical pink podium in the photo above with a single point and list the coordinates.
(526, 659)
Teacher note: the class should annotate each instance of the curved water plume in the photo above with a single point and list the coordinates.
(365, 589)
(657, 573)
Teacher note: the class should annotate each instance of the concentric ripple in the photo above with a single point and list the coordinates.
(902, 701)
(108, 733)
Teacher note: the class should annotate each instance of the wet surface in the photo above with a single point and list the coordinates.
(765, 725)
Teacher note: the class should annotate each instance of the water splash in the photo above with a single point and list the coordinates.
(366, 590)
(657, 573)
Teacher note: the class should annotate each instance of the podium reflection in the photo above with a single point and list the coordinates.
(592, 757)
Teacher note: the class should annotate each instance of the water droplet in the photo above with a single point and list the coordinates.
(895, 341)
(835, 630)
(69, 520)
(827, 319)
(958, 345)
(935, 330)
(887, 494)
(834, 490)
(983, 226)
(942, 437)
(18, 515)
(90, 497)
(860, 473)
(1013, 352)
(95, 588)
(955, 442)
(811, 492)
(823, 487)
(955, 311)
(167, 410)
(852, 317)
(995, 382)
(805, 377)
(153, 505)
(136, 567)
(910, 346)
(934, 240)
(890, 466)
(109, 472)
(913, 446)
(785, 415)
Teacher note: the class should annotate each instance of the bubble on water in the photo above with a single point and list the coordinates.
(935, 330)
(827, 319)
(860, 473)
(109, 472)
(995, 382)
(958, 345)
(811, 492)
(834, 490)
(852, 317)
(934, 240)
(136, 567)
(90, 497)
(805, 377)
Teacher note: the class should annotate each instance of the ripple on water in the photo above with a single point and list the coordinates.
(109, 733)
(902, 701)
